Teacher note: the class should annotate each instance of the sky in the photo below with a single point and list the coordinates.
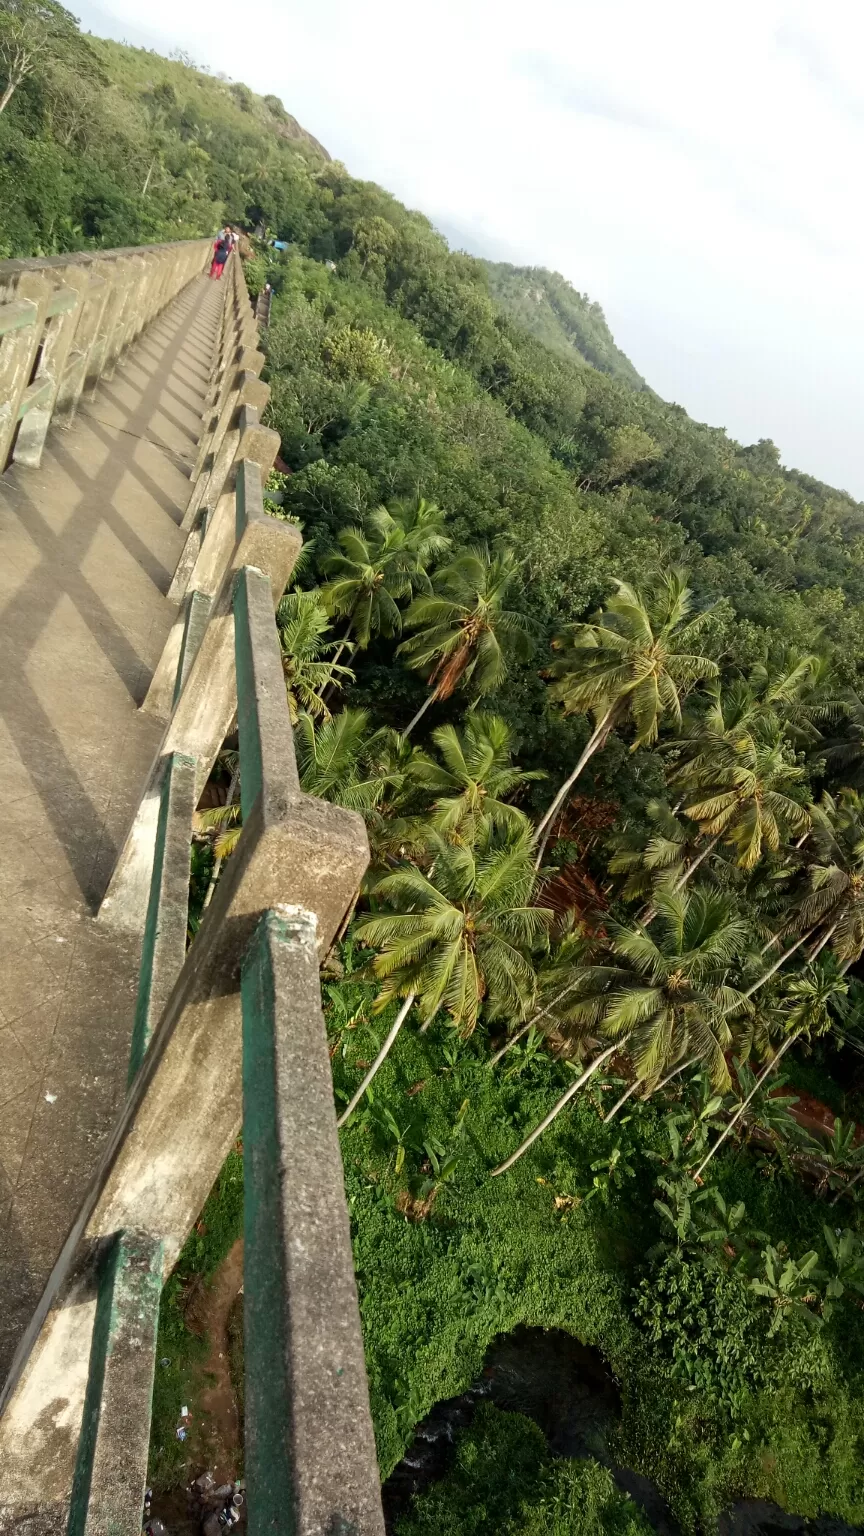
(696, 168)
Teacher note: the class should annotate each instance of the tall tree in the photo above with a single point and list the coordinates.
(30, 31)
(662, 996)
(466, 634)
(809, 1002)
(473, 778)
(342, 760)
(834, 902)
(382, 564)
(632, 660)
(740, 795)
(307, 659)
(460, 938)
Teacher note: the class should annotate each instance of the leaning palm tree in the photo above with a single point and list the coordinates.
(473, 777)
(668, 857)
(374, 569)
(460, 938)
(843, 752)
(798, 689)
(340, 759)
(632, 660)
(807, 1009)
(418, 526)
(307, 660)
(466, 634)
(741, 796)
(663, 997)
(834, 902)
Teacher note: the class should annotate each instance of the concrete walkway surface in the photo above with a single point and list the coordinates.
(88, 545)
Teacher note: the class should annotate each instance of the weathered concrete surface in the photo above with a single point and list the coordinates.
(88, 544)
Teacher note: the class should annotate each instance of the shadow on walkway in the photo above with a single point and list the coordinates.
(88, 544)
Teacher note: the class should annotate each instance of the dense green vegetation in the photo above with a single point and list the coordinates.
(588, 670)
(506, 1481)
(545, 304)
(104, 145)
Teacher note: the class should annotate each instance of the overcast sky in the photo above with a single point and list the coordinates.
(695, 168)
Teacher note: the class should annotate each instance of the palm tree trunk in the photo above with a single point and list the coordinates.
(692, 868)
(619, 1104)
(651, 911)
(543, 1014)
(594, 742)
(562, 1103)
(823, 941)
(766, 975)
(430, 699)
(379, 1059)
(674, 1073)
(845, 1188)
(751, 1095)
(682, 1067)
(343, 641)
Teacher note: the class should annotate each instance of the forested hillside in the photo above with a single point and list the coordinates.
(106, 145)
(545, 304)
(592, 672)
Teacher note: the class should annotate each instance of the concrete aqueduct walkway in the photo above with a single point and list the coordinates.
(88, 545)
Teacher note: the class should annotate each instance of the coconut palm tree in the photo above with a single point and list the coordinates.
(662, 996)
(834, 903)
(340, 759)
(307, 661)
(740, 795)
(669, 857)
(465, 632)
(844, 752)
(797, 688)
(380, 565)
(419, 526)
(806, 1011)
(473, 777)
(460, 938)
(632, 660)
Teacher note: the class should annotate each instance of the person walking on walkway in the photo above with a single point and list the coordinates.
(221, 253)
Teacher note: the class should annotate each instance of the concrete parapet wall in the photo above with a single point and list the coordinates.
(64, 323)
(234, 1019)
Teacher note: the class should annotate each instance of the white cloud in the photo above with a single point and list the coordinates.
(695, 168)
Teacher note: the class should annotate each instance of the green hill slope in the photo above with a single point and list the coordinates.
(108, 145)
(545, 304)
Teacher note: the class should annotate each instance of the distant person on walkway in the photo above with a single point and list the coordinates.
(221, 253)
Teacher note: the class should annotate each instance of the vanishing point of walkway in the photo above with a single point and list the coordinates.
(88, 546)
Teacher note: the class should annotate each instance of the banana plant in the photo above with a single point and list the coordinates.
(841, 1157)
(610, 1174)
(846, 1265)
(791, 1285)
